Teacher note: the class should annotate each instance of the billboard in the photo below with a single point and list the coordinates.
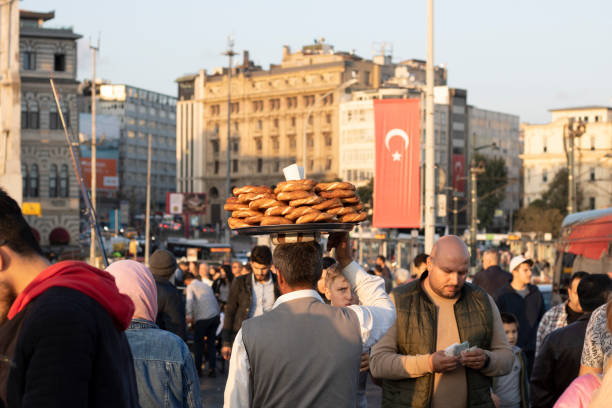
(186, 203)
(397, 189)
(107, 150)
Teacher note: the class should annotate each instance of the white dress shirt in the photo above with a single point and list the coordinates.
(262, 298)
(376, 315)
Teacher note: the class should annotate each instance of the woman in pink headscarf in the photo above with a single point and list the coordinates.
(165, 372)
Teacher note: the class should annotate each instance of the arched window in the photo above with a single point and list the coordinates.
(33, 122)
(53, 181)
(33, 187)
(66, 113)
(54, 120)
(63, 181)
(24, 115)
(24, 179)
(213, 192)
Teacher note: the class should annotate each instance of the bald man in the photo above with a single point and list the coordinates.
(492, 277)
(433, 313)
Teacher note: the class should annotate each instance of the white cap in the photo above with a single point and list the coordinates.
(517, 260)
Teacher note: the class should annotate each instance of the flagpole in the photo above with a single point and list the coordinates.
(429, 135)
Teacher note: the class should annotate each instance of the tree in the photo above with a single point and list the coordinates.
(556, 194)
(491, 188)
(365, 192)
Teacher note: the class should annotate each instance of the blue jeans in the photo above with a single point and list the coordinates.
(205, 328)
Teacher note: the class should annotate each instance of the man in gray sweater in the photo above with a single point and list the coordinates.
(304, 353)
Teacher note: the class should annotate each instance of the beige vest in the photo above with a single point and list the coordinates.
(303, 353)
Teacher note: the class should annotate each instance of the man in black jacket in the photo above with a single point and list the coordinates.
(491, 278)
(62, 340)
(525, 301)
(558, 361)
(170, 304)
(250, 295)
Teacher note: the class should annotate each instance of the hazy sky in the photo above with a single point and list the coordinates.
(521, 57)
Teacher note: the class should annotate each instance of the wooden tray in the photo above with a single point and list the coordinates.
(320, 227)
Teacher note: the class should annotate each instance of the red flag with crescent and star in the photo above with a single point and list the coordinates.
(397, 182)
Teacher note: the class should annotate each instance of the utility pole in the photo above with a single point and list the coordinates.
(455, 199)
(429, 135)
(148, 209)
(475, 170)
(230, 54)
(92, 244)
(572, 130)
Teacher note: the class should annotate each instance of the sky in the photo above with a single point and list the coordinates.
(521, 57)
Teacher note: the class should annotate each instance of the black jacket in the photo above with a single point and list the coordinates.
(492, 279)
(528, 311)
(557, 363)
(170, 307)
(239, 305)
(65, 352)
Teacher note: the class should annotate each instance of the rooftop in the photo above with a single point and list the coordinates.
(588, 107)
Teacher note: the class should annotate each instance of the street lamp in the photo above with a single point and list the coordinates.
(342, 86)
(230, 54)
(475, 170)
(572, 130)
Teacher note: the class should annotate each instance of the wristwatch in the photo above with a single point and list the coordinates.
(487, 361)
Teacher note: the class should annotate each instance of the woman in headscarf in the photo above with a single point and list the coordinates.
(165, 371)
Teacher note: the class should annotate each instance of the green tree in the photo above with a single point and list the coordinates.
(365, 193)
(491, 188)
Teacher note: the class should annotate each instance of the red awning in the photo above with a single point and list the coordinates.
(592, 238)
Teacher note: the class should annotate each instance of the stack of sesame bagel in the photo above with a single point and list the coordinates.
(294, 202)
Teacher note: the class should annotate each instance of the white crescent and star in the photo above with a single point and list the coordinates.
(397, 156)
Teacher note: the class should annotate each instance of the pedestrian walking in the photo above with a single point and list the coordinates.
(491, 278)
(304, 353)
(558, 362)
(525, 301)
(62, 327)
(170, 305)
(165, 372)
(418, 359)
(250, 296)
(203, 315)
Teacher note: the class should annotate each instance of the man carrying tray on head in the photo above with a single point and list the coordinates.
(304, 353)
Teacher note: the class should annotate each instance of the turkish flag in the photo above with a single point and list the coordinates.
(459, 172)
(397, 185)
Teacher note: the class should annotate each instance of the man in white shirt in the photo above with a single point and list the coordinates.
(202, 312)
(304, 353)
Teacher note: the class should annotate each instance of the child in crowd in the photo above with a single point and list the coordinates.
(510, 390)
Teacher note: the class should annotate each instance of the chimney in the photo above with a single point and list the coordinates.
(286, 51)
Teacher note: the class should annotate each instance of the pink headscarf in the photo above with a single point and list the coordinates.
(136, 281)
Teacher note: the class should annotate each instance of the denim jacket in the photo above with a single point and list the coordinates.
(165, 371)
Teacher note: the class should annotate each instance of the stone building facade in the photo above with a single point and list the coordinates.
(544, 155)
(271, 110)
(47, 173)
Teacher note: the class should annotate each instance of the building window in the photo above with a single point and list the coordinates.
(216, 166)
(276, 165)
(29, 61)
(275, 144)
(258, 144)
(274, 104)
(292, 102)
(259, 124)
(309, 140)
(215, 146)
(33, 181)
(596, 118)
(592, 142)
(213, 192)
(235, 126)
(592, 175)
(235, 107)
(275, 122)
(259, 165)
(328, 139)
(235, 166)
(24, 180)
(328, 163)
(215, 109)
(366, 77)
(53, 181)
(30, 115)
(59, 62)
(328, 118)
(309, 100)
(64, 189)
(545, 176)
(310, 164)
(235, 146)
(292, 143)
(592, 203)
(293, 121)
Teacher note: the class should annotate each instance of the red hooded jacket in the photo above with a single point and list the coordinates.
(93, 282)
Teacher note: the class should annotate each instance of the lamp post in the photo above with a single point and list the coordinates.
(92, 243)
(342, 86)
(230, 54)
(572, 130)
(430, 218)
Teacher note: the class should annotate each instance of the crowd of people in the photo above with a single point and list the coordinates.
(298, 328)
